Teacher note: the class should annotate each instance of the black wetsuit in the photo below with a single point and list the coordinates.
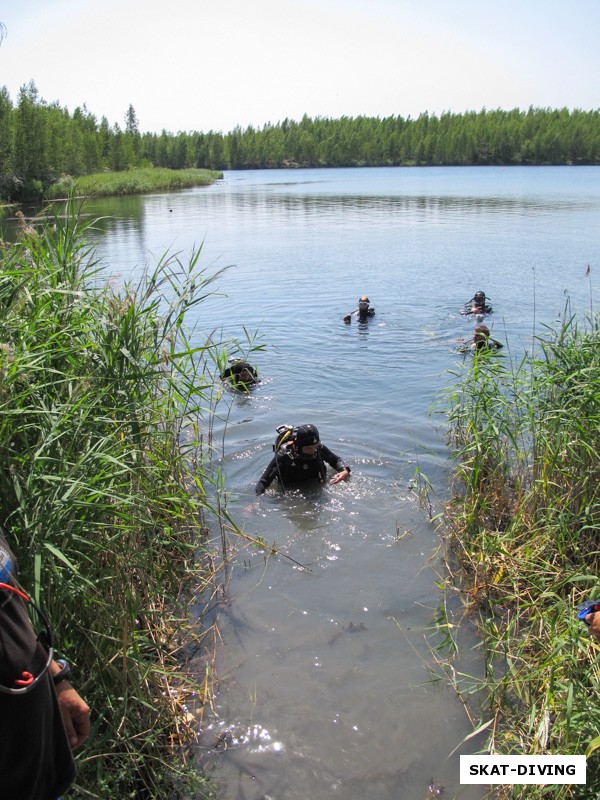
(234, 371)
(361, 315)
(469, 308)
(35, 757)
(487, 346)
(291, 470)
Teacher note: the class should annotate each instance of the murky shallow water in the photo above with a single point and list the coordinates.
(326, 681)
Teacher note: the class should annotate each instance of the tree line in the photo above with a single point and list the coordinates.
(42, 142)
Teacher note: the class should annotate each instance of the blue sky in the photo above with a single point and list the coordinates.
(214, 64)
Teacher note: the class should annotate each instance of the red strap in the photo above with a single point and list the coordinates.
(26, 680)
(15, 590)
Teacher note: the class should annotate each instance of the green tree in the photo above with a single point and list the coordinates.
(122, 155)
(105, 142)
(7, 143)
(131, 122)
(31, 131)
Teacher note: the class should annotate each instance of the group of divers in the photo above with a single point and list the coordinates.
(299, 455)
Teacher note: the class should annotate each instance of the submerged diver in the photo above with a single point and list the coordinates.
(241, 375)
(363, 312)
(477, 305)
(481, 341)
(299, 457)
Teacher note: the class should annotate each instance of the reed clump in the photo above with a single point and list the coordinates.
(138, 180)
(104, 430)
(523, 546)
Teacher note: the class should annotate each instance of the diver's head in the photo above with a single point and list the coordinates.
(363, 307)
(481, 334)
(243, 372)
(306, 441)
(479, 298)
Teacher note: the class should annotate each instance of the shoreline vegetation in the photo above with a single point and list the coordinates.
(106, 415)
(138, 180)
(522, 547)
(43, 144)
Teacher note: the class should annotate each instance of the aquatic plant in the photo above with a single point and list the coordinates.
(522, 544)
(105, 430)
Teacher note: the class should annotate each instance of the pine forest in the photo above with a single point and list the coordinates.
(41, 143)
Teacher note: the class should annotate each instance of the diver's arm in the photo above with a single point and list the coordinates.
(268, 476)
(337, 463)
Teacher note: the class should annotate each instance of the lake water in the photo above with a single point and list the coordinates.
(327, 674)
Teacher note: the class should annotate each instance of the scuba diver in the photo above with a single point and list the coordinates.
(241, 375)
(481, 341)
(363, 312)
(299, 457)
(477, 305)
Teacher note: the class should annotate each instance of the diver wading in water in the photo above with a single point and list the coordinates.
(481, 341)
(300, 457)
(241, 375)
(477, 305)
(363, 313)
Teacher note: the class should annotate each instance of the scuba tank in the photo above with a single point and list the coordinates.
(285, 433)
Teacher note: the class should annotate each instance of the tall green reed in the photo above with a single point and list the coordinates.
(522, 528)
(137, 180)
(105, 427)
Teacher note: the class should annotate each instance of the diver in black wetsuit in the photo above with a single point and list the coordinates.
(241, 375)
(363, 312)
(299, 457)
(481, 341)
(477, 305)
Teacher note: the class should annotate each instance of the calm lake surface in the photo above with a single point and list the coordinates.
(327, 674)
